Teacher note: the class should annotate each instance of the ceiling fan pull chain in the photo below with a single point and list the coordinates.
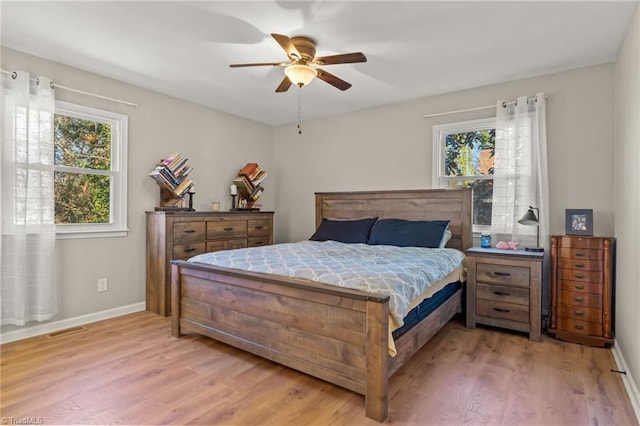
(299, 110)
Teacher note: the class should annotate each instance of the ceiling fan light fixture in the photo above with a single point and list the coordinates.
(300, 75)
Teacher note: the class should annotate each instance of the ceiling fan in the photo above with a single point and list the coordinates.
(301, 51)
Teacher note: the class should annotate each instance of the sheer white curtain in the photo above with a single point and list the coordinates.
(520, 170)
(27, 289)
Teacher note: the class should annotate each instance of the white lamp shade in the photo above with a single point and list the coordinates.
(300, 75)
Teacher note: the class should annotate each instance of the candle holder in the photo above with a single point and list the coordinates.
(233, 202)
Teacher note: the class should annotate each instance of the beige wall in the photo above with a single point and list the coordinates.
(390, 148)
(217, 145)
(627, 199)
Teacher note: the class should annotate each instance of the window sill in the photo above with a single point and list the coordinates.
(70, 235)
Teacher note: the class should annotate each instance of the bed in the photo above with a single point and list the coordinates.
(336, 334)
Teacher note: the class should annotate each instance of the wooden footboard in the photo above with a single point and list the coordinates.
(338, 335)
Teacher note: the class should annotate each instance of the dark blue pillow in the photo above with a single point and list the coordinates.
(408, 233)
(344, 231)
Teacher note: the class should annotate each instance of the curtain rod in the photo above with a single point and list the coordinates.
(82, 92)
(437, 114)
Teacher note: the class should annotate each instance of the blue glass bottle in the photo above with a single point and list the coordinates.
(485, 240)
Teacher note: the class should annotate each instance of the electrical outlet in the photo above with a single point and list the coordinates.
(102, 284)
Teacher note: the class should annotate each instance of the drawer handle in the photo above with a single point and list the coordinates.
(579, 254)
(189, 250)
(579, 286)
(579, 313)
(502, 274)
(189, 231)
(579, 275)
(501, 310)
(258, 243)
(579, 327)
(579, 299)
(259, 227)
(580, 265)
(502, 293)
(228, 229)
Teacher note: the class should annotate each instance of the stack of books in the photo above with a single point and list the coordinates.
(171, 174)
(249, 186)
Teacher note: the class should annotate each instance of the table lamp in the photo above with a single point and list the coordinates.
(531, 219)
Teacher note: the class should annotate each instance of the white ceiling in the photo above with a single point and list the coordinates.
(414, 48)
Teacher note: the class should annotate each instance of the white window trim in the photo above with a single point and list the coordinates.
(117, 226)
(439, 133)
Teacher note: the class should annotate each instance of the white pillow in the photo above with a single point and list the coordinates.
(445, 238)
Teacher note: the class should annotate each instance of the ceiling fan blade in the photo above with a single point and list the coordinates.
(287, 45)
(333, 80)
(284, 85)
(260, 64)
(344, 58)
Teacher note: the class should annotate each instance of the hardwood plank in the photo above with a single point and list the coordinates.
(129, 370)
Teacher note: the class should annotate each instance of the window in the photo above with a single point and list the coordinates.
(463, 156)
(90, 179)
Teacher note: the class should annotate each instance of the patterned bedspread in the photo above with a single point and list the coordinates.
(402, 273)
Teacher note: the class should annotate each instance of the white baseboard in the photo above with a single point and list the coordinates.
(49, 327)
(627, 379)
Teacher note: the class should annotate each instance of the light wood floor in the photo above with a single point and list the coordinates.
(129, 370)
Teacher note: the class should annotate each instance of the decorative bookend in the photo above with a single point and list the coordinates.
(249, 187)
(171, 176)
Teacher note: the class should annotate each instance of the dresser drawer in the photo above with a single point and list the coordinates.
(258, 241)
(581, 243)
(502, 274)
(583, 276)
(587, 328)
(188, 231)
(518, 295)
(185, 251)
(580, 254)
(579, 286)
(580, 299)
(580, 313)
(580, 264)
(258, 228)
(226, 229)
(226, 244)
(502, 310)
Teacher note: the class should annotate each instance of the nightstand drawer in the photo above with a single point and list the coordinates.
(502, 274)
(588, 328)
(185, 251)
(518, 295)
(508, 311)
(580, 299)
(188, 231)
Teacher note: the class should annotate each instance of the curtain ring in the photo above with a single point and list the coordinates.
(14, 75)
(515, 103)
(37, 81)
(504, 104)
(52, 85)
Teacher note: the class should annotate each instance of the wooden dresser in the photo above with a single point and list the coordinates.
(582, 282)
(504, 289)
(181, 235)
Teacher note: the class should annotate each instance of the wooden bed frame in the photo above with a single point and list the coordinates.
(335, 334)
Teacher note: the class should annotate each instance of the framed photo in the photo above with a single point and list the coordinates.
(579, 222)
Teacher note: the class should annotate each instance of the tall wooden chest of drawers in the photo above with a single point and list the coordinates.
(504, 289)
(582, 283)
(181, 235)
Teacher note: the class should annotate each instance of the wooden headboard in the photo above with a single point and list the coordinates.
(420, 204)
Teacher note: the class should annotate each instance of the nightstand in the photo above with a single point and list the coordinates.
(504, 289)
